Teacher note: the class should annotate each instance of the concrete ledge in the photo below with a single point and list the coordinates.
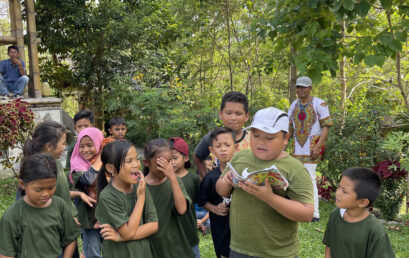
(39, 102)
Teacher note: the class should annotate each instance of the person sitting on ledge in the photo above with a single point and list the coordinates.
(13, 75)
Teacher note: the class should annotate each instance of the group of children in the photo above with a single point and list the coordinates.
(124, 211)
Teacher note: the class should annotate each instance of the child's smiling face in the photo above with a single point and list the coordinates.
(87, 148)
(234, 116)
(130, 169)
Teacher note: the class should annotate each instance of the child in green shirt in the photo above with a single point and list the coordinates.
(125, 207)
(39, 224)
(351, 230)
(171, 201)
(263, 221)
(191, 181)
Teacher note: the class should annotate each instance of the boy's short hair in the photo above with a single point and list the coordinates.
(221, 130)
(84, 114)
(12, 47)
(237, 97)
(367, 183)
(116, 121)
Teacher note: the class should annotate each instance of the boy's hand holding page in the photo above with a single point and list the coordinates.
(263, 192)
(272, 174)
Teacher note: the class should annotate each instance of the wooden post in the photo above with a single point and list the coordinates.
(19, 33)
(32, 49)
(12, 19)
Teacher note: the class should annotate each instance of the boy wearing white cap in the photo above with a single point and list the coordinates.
(263, 221)
(309, 124)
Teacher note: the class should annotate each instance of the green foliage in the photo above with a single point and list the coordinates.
(393, 188)
(159, 112)
(355, 140)
(398, 142)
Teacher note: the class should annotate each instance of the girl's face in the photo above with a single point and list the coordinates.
(87, 148)
(39, 192)
(153, 162)
(178, 161)
(130, 169)
(56, 151)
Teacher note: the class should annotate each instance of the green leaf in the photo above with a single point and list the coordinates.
(349, 5)
(385, 38)
(315, 75)
(362, 8)
(373, 60)
(395, 45)
(337, 6)
(386, 4)
(401, 36)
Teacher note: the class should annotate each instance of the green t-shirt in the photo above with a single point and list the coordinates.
(115, 207)
(256, 228)
(170, 241)
(363, 239)
(191, 181)
(86, 214)
(26, 231)
(63, 190)
(69, 154)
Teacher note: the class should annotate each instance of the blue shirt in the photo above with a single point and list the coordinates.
(9, 71)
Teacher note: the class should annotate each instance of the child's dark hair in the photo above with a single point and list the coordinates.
(116, 121)
(221, 130)
(45, 132)
(237, 97)
(113, 153)
(84, 114)
(367, 183)
(12, 47)
(153, 147)
(37, 166)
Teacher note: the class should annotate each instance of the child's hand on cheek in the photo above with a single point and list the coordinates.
(166, 168)
(264, 193)
(141, 186)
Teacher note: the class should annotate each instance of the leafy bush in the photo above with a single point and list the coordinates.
(393, 188)
(16, 123)
(354, 140)
(325, 189)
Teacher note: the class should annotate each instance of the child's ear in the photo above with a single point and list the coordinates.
(247, 117)
(363, 203)
(145, 162)
(21, 184)
(110, 131)
(110, 168)
(185, 158)
(211, 150)
(48, 147)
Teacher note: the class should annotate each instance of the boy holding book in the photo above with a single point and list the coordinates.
(223, 148)
(351, 230)
(263, 221)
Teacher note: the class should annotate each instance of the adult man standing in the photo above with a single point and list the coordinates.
(309, 123)
(13, 75)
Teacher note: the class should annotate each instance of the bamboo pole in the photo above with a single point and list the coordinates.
(19, 34)
(8, 40)
(12, 19)
(32, 49)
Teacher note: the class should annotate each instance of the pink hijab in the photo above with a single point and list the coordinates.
(77, 162)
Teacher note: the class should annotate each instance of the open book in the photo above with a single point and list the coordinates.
(277, 180)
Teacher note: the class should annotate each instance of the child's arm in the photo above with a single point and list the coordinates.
(145, 230)
(69, 249)
(84, 197)
(3, 256)
(224, 185)
(327, 252)
(178, 197)
(199, 222)
(291, 209)
(128, 229)
(221, 209)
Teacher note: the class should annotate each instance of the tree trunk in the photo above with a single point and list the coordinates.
(342, 64)
(292, 76)
(229, 42)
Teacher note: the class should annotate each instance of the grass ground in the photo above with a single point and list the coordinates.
(310, 234)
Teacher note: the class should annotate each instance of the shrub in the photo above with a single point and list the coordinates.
(325, 189)
(393, 188)
(16, 123)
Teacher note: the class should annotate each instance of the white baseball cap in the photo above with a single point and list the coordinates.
(270, 120)
(304, 82)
